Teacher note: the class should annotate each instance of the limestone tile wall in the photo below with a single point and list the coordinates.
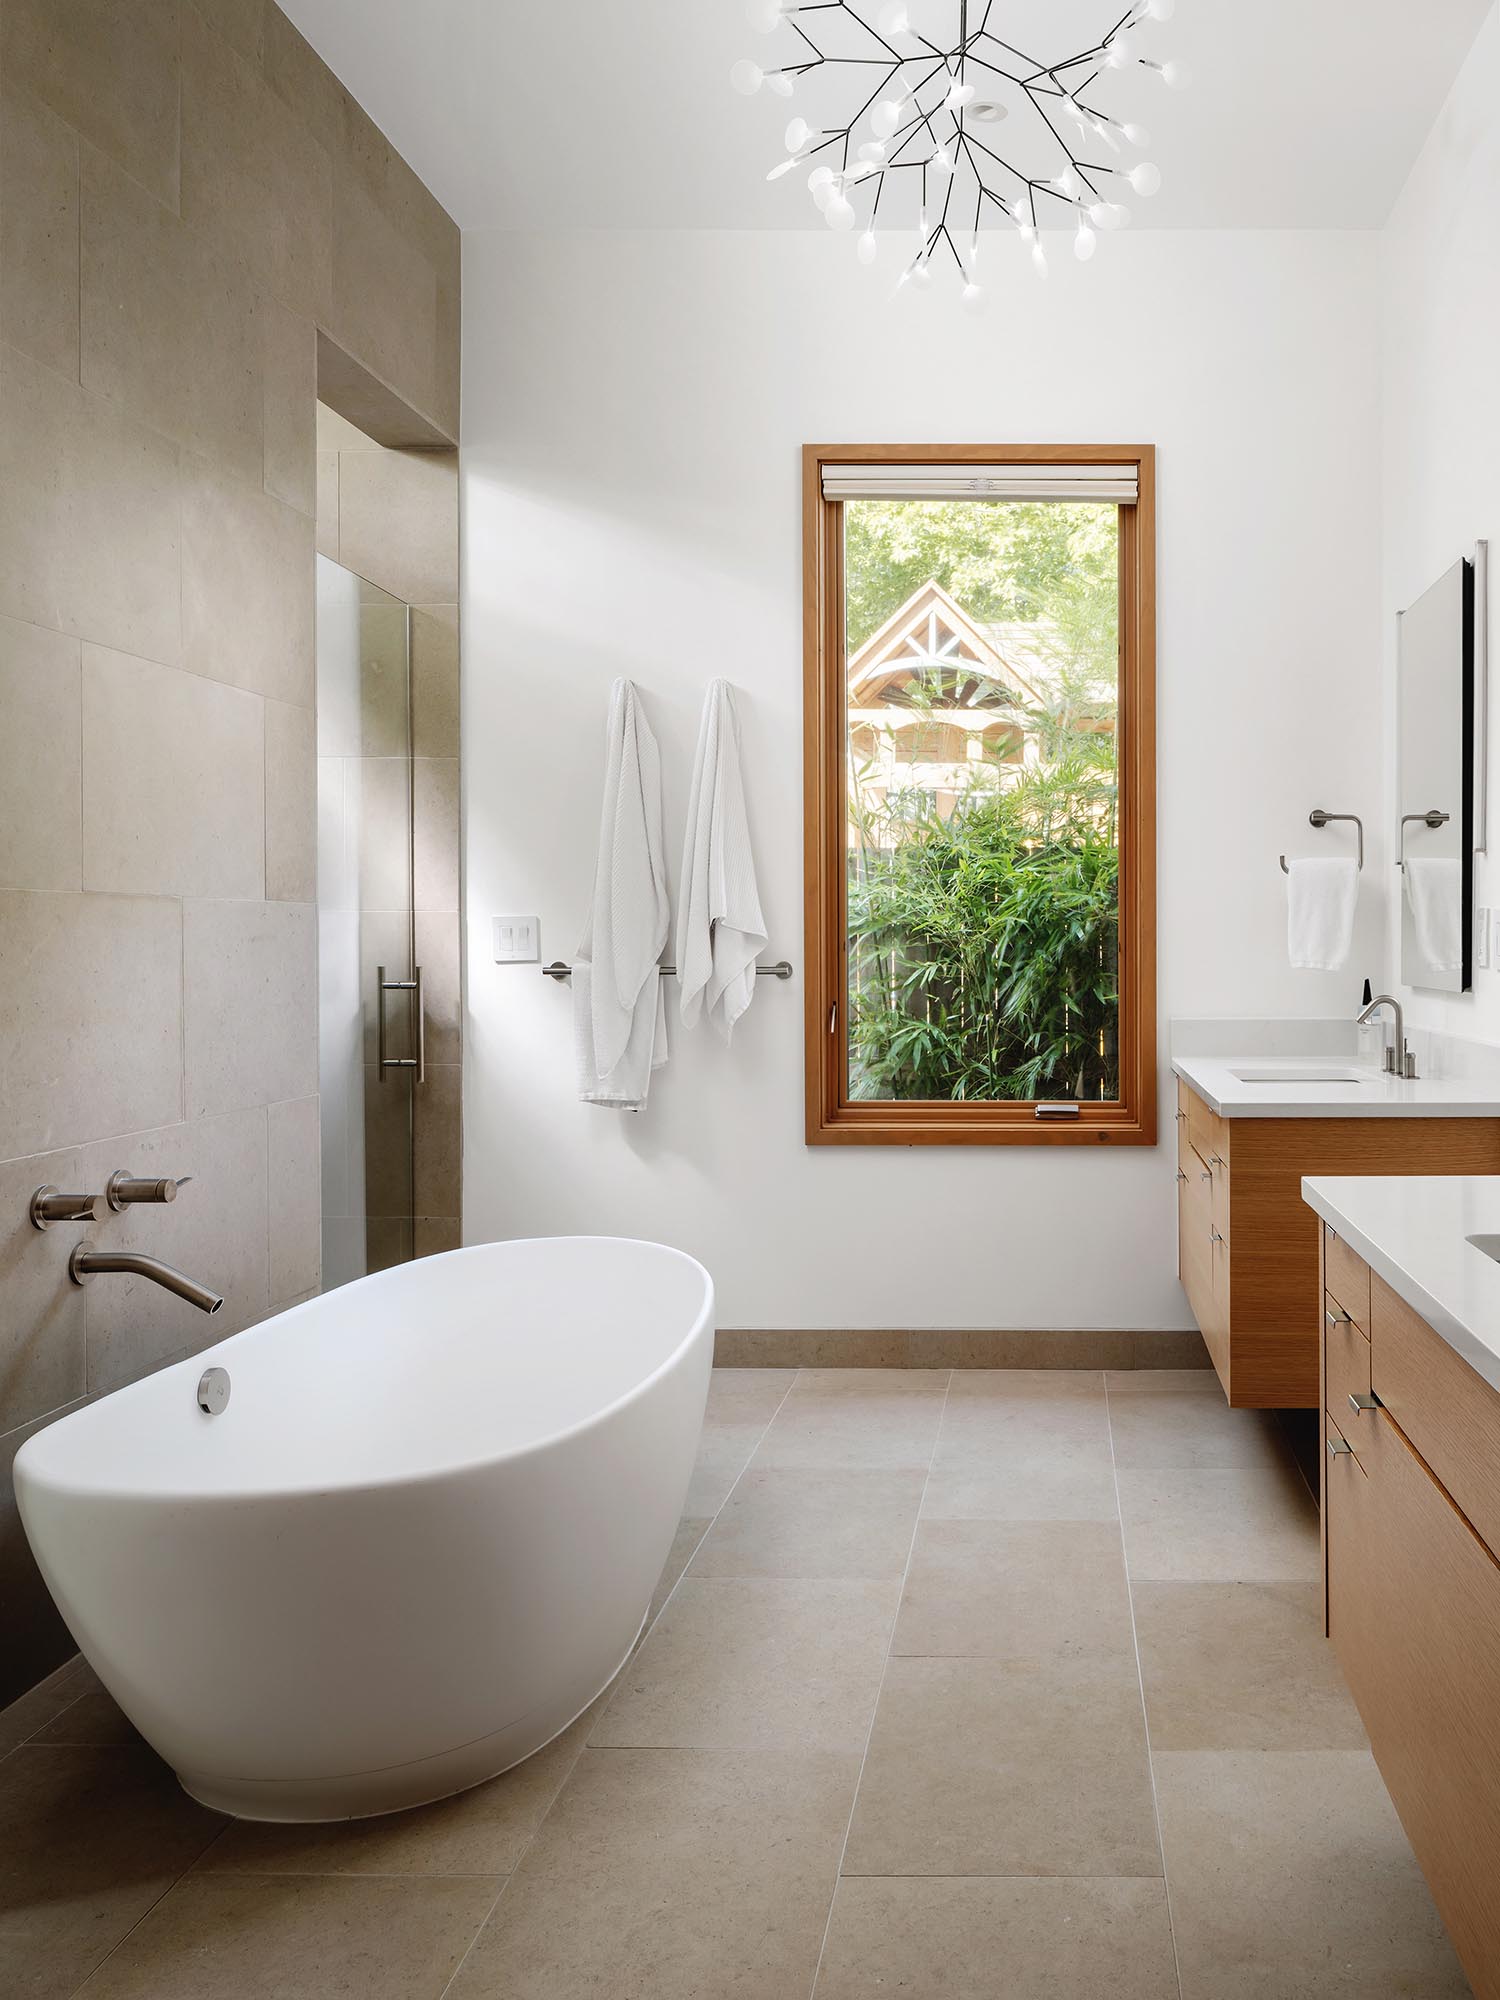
(392, 516)
(195, 217)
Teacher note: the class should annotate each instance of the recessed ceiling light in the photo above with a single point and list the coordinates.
(988, 112)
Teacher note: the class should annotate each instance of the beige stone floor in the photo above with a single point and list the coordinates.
(993, 1684)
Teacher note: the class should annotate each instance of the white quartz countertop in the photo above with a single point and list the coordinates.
(1414, 1231)
(1373, 1095)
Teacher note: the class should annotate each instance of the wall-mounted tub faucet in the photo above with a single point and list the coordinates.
(86, 1263)
(48, 1206)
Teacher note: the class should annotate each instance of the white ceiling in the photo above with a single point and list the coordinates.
(618, 114)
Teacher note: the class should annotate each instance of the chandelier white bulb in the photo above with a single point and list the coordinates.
(962, 128)
(972, 297)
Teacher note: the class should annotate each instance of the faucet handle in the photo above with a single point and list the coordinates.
(122, 1188)
(48, 1206)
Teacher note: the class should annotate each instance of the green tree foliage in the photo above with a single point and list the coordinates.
(983, 932)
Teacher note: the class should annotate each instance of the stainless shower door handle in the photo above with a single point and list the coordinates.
(413, 986)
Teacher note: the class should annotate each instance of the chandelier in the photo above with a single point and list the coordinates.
(972, 132)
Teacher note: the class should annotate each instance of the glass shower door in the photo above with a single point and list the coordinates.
(370, 1010)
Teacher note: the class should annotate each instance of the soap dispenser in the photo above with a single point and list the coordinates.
(1371, 1036)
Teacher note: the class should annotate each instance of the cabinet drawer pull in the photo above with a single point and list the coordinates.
(1217, 1160)
(1204, 1176)
(1182, 1117)
(1338, 1449)
(1357, 1402)
(1214, 1236)
(1181, 1175)
(1338, 1317)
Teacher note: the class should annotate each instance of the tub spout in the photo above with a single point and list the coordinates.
(86, 1263)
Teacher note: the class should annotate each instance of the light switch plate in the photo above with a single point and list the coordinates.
(1482, 939)
(515, 939)
(1495, 940)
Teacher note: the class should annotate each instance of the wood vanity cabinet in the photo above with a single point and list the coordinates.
(1411, 1515)
(1247, 1245)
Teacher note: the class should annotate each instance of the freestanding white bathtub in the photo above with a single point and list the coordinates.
(418, 1540)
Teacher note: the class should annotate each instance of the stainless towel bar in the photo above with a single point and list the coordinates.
(413, 986)
(1317, 817)
(782, 969)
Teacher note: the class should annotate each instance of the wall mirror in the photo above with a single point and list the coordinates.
(1435, 754)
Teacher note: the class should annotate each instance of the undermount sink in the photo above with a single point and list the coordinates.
(1490, 1245)
(1299, 1076)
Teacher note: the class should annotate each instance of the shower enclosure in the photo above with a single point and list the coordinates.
(371, 1037)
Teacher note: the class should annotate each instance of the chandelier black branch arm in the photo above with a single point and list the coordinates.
(926, 123)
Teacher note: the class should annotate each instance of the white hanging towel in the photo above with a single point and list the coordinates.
(1320, 899)
(619, 1013)
(720, 929)
(1435, 890)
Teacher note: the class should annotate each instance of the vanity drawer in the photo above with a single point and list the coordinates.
(1450, 1415)
(1346, 1371)
(1207, 1132)
(1347, 1276)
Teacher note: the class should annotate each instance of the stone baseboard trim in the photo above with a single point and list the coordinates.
(1006, 1347)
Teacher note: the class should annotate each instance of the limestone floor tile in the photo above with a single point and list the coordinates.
(1013, 1383)
(483, 1831)
(1160, 1381)
(91, 1718)
(976, 1939)
(861, 1384)
(1016, 1590)
(690, 1532)
(992, 1430)
(746, 1393)
(672, 1875)
(89, 1839)
(1152, 1428)
(299, 1937)
(756, 1663)
(1220, 1523)
(1241, 1666)
(1006, 1767)
(21, 1719)
(1021, 1486)
(860, 1424)
(1290, 1875)
(813, 1523)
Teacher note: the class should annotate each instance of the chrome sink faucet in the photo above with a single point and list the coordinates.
(1399, 1060)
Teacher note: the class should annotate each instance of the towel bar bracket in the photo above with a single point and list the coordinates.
(1317, 817)
(559, 969)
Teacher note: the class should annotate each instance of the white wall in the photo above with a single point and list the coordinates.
(1440, 300)
(633, 408)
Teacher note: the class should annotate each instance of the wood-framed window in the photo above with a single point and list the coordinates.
(980, 794)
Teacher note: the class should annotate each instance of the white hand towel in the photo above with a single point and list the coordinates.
(720, 929)
(1320, 899)
(1435, 890)
(619, 1015)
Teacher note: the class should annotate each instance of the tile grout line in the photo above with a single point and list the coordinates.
(645, 1633)
(1135, 1645)
(838, 1875)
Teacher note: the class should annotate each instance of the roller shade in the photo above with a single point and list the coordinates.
(1111, 483)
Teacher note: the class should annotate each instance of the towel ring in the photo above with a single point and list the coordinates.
(1433, 819)
(1317, 817)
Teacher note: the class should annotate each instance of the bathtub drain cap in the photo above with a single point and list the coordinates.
(213, 1391)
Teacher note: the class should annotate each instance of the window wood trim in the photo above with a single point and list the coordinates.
(831, 1118)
